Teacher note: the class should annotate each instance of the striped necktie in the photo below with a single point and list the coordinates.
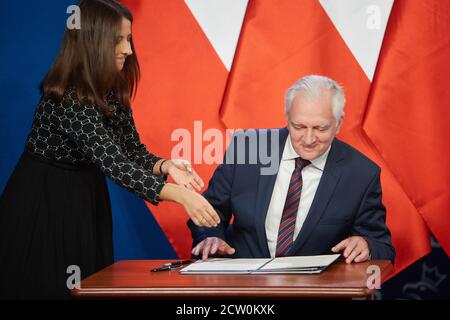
(289, 216)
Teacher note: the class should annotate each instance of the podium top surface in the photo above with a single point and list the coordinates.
(133, 278)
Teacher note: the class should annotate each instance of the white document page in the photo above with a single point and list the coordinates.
(225, 265)
(286, 263)
(305, 264)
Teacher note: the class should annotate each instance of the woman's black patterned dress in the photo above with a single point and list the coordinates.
(55, 210)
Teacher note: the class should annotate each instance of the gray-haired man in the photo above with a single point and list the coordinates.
(325, 196)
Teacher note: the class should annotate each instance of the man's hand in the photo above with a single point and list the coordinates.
(356, 249)
(212, 246)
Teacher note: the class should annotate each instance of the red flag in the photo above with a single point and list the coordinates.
(184, 60)
(182, 81)
(393, 121)
(408, 115)
(282, 41)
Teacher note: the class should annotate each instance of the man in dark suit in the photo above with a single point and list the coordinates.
(323, 196)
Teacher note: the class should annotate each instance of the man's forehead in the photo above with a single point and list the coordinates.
(311, 108)
(311, 115)
(314, 122)
(322, 96)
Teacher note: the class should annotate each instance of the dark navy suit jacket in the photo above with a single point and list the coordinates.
(347, 202)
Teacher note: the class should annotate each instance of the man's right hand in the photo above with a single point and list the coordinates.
(212, 245)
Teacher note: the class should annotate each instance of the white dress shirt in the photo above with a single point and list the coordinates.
(311, 175)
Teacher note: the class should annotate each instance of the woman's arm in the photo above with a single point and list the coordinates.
(182, 173)
(198, 209)
(134, 149)
(84, 125)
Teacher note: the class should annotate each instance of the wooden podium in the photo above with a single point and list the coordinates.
(128, 279)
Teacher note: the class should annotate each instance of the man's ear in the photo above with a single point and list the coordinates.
(341, 120)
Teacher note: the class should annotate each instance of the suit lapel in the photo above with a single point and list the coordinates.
(327, 185)
(264, 194)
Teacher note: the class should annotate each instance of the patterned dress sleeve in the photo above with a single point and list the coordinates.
(132, 146)
(83, 123)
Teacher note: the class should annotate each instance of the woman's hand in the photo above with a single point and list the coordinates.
(196, 206)
(183, 174)
(199, 209)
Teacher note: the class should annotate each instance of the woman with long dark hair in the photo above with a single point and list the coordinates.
(55, 210)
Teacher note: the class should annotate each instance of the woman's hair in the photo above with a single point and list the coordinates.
(86, 59)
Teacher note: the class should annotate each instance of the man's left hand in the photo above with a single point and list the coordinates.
(355, 249)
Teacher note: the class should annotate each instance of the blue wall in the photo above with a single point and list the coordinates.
(30, 36)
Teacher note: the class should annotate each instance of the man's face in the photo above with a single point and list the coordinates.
(312, 125)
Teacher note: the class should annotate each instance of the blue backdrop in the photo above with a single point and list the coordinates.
(30, 33)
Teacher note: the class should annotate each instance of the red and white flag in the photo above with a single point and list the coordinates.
(185, 49)
(391, 56)
(407, 121)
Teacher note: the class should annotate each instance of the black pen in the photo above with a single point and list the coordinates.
(178, 263)
(164, 268)
(172, 265)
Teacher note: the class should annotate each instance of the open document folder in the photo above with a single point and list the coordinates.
(285, 265)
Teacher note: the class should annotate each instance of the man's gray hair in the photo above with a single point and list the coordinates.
(312, 86)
